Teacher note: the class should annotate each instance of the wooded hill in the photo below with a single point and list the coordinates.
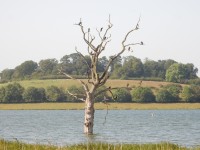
(128, 67)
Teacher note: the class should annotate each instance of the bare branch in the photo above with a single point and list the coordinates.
(76, 96)
(132, 44)
(99, 33)
(89, 43)
(112, 58)
(83, 58)
(85, 86)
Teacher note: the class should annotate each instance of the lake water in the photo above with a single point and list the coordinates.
(61, 127)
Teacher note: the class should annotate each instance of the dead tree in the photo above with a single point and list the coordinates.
(95, 79)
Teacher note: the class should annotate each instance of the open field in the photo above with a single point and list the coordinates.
(6, 145)
(65, 83)
(100, 106)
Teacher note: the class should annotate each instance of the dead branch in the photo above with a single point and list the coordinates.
(76, 96)
(88, 66)
(85, 86)
(112, 58)
(89, 43)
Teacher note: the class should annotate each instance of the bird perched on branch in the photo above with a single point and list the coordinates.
(127, 85)
(80, 23)
(101, 29)
(137, 27)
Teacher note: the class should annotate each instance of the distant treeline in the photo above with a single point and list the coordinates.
(172, 93)
(123, 68)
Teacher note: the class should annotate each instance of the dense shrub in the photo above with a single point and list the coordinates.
(164, 96)
(13, 93)
(191, 93)
(175, 90)
(195, 81)
(169, 93)
(55, 94)
(142, 95)
(32, 94)
(122, 95)
(2, 94)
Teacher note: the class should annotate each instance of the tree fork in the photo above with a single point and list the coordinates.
(94, 78)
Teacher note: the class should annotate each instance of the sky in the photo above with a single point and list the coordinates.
(43, 29)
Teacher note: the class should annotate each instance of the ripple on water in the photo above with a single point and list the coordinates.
(63, 127)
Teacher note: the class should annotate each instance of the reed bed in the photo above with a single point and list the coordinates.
(16, 145)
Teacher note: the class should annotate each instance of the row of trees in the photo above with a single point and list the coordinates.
(121, 68)
(15, 93)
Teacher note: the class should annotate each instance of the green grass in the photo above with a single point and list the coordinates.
(8, 145)
(65, 83)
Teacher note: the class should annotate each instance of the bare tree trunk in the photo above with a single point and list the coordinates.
(96, 79)
(89, 116)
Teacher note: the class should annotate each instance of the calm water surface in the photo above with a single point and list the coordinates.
(61, 127)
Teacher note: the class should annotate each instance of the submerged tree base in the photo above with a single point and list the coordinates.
(16, 145)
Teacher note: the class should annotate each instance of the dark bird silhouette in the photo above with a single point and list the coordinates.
(101, 29)
(140, 83)
(80, 23)
(127, 85)
(104, 38)
(129, 48)
(137, 27)
(142, 43)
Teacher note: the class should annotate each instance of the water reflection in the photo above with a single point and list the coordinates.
(122, 126)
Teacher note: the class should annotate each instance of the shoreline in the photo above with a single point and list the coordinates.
(101, 106)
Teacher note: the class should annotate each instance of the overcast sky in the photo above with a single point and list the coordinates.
(42, 29)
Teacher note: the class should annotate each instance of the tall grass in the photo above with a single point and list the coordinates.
(7, 145)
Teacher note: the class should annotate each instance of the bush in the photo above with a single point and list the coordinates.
(13, 93)
(33, 94)
(175, 90)
(2, 94)
(191, 93)
(169, 93)
(142, 95)
(164, 96)
(55, 94)
(195, 81)
(122, 95)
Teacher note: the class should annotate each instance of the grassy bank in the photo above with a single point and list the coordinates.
(65, 83)
(101, 106)
(5, 145)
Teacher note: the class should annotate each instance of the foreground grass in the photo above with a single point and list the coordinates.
(6, 145)
(100, 106)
